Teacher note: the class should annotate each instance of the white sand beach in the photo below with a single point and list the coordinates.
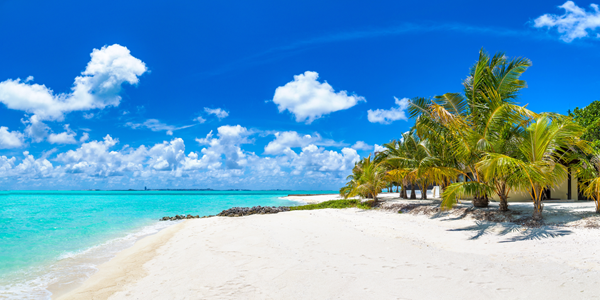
(356, 254)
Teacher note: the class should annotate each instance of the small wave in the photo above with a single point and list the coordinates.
(71, 268)
(145, 231)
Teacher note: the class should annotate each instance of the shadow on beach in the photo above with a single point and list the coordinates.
(516, 222)
(524, 234)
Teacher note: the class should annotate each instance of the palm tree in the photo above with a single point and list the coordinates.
(590, 175)
(543, 150)
(477, 122)
(396, 172)
(367, 180)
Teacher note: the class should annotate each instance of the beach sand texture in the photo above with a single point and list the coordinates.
(350, 254)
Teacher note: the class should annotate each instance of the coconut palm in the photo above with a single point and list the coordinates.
(396, 172)
(478, 121)
(367, 180)
(544, 149)
(590, 175)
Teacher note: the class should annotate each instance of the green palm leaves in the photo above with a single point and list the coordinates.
(590, 175)
(481, 142)
(367, 180)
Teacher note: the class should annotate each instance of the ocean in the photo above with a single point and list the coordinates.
(51, 241)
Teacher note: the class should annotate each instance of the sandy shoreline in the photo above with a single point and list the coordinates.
(351, 254)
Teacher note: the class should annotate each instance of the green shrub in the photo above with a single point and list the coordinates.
(335, 204)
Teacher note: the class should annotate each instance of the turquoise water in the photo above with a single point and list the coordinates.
(54, 239)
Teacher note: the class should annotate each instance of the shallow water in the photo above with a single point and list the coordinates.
(53, 240)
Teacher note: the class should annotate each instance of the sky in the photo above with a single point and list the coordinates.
(254, 94)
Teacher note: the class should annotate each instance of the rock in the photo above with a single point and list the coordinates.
(248, 211)
(234, 212)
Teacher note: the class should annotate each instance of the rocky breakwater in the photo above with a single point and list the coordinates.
(179, 217)
(235, 212)
(256, 210)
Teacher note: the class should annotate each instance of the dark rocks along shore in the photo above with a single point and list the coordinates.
(235, 212)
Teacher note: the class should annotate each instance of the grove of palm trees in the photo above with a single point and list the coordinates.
(483, 143)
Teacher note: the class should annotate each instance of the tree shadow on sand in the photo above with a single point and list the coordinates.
(524, 234)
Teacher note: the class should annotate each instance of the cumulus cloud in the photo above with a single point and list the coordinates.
(67, 137)
(156, 125)
(98, 86)
(10, 139)
(218, 112)
(575, 23)
(171, 156)
(384, 116)
(291, 139)
(221, 163)
(315, 159)
(378, 148)
(6, 164)
(36, 130)
(288, 139)
(308, 99)
(227, 143)
(84, 137)
(360, 145)
(96, 159)
(34, 168)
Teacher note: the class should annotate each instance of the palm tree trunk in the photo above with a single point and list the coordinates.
(537, 212)
(503, 203)
(413, 194)
(423, 191)
(503, 196)
(481, 201)
(403, 193)
(537, 204)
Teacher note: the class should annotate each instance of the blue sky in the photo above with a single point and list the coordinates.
(261, 95)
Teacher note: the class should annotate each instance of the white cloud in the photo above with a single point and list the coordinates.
(308, 99)
(32, 168)
(95, 159)
(291, 139)
(388, 116)
(360, 145)
(156, 125)
(378, 148)
(575, 23)
(67, 137)
(88, 116)
(98, 86)
(170, 156)
(36, 130)
(10, 139)
(288, 139)
(219, 113)
(228, 141)
(6, 164)
(314, 159)
(222, 163)
(84, 137)
(200, 119)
